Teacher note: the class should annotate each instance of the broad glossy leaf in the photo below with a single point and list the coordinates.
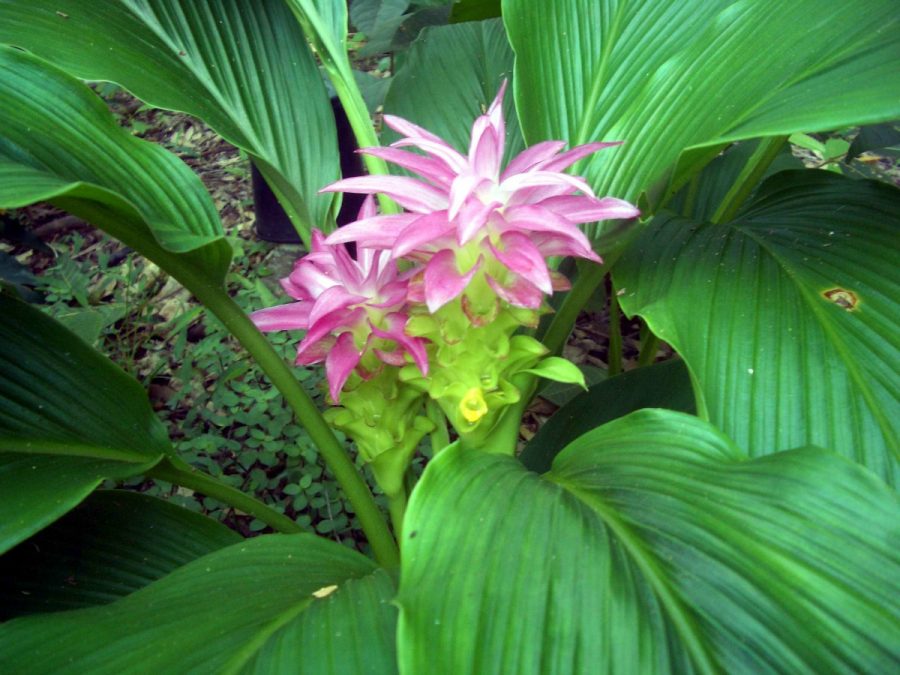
(242, 67)
(220, 613)
(667, 76)
(68, 419)
(352, 630)
(110, 545)
(662, 385)
(786, 317)
(451, 75)
(652, 546)
(706, 191)
(73, 153)
(474, 10)
(874, 137)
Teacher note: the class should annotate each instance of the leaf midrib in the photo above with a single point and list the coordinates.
(697, 647)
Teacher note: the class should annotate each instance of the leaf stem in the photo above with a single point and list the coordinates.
(179, 472)
(340, 464)
(748, 178)
(614, 355)
(649, 347)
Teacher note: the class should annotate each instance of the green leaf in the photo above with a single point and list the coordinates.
(451, 75)
(89, 322)
(110, 545)
(72, 152)
(707, 190)
(253, 603)
(558, 369)
(474, 10)
(68, 419)
(874, 137)
(664, 77)
(242, 67)
(786, 317)
(652, 546)
(662, 385)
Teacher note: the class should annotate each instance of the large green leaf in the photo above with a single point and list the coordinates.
(653, 546)
(68, 419)
(243, 67)
(662, 385)
(665, 76)
(786, 317)
(72, 152)
(254, 603)
(112, 544)
(451, 75)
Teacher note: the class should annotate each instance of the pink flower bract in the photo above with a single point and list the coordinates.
(468, 214)
(348, 308)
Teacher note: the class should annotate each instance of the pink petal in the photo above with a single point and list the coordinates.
(519, 255)
(546, 179)
(495, 114)
(539, 219)
(554, 245)
(292, 316)
(439, 149)
(334, 299)
(485, 149)
(567, 159)
(472, 218)
(463, 188)
(315, 353)
(407, 128)
(328, 324)
(375, 232)
(367, 210)
(339, 363)
(520, 293)
(582, 209)
(537, 153)
(409, 193)
(348, 271)
(309, 279)
(427, 167)
(415, 347)
(422, 231)
(443, 282)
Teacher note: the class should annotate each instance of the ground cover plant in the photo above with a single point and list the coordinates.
(730, 510)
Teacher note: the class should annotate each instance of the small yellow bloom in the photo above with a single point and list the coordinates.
(472, 406)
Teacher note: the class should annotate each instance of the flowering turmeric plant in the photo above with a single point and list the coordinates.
(730, 510)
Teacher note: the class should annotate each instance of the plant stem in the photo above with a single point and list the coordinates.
(649, 347)
(749, 178)
(440, 437)
(340, 464)
(176, 471)
(337, 66)
(397, 508)
(614, 356)
(558, 331)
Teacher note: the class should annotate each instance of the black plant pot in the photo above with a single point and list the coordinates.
(272, 223)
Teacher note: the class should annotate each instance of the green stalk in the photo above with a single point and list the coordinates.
(614, 356)
(649, 346)
(176, 471)
(397, 508)
(239, 324)
(584, 287)
(337, 67)
(749, 178)
(440, 437)
(215, 298)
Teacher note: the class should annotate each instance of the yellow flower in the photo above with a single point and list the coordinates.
(472, 406)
